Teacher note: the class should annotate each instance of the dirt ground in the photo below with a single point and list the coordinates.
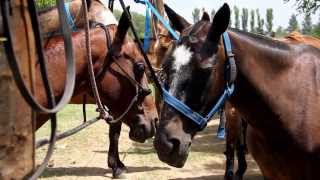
(83, 156)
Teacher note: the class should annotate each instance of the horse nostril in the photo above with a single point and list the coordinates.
(176, 144)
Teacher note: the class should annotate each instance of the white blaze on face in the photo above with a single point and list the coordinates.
(181, 56)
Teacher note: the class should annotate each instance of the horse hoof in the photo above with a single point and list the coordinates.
(119, 173)
(228, 175)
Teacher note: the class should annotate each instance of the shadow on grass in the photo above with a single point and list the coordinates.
(219, 177)
(92, 171)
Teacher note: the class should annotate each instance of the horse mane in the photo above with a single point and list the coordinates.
(268, 41)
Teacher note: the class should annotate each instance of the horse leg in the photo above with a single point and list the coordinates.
(244, 126)
(241, 150)
(118, 168)
(229, 156)
(242, 163)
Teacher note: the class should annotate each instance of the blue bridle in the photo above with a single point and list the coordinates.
(198, 119)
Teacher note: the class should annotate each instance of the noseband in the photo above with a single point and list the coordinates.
(230, 71)
(140, 91)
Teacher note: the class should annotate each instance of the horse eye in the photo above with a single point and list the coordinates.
(139, 69)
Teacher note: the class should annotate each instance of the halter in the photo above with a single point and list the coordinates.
(110, 57)
(195, 117)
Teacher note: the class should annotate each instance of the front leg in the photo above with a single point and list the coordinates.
(118, 168)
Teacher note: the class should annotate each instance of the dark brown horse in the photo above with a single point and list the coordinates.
(115, 87)
(276, 92)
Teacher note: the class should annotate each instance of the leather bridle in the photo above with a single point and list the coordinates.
(110, 58)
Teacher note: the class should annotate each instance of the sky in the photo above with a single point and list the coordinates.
(281, 11)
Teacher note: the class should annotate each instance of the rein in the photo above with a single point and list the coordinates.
(103, 110)
(230, 71)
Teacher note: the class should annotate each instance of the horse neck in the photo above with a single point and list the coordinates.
(259, 61)
(56, 61)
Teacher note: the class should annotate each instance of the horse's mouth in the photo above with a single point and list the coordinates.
(173, 159)
(137, 138)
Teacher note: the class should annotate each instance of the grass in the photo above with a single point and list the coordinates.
(83, 156)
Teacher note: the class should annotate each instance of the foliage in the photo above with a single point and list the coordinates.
(293, 24)
(236, 17)
(307, 24)
(260, 22)
(244, 18)
(196, 15)
(280, 32)
(252, 22)
(269, 24)
(316, 29)
(306, 6)
(138, 20)
(41, 4)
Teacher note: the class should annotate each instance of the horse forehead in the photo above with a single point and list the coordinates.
(181, 56)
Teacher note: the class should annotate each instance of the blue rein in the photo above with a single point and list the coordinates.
(69, 17)
(150, 8)
(198, 119)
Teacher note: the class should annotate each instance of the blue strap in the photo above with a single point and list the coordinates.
(147, 31)
(194, 116)
(160, 18)
(69, 17)
(227, 44)
(188, 112)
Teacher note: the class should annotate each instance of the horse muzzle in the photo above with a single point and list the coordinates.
(142, 129)
(172, 150)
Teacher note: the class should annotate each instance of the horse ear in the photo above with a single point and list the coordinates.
(219, 24)
(205, 17)
(122, 28)
(89, 2)
(177, 21)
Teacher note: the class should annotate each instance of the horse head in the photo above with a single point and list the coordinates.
(124, 81)
(193, 73)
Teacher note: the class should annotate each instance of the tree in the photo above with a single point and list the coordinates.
(196, 15)
(137, 19)
(260, 23)
(236, 17)
(293, 24)
(252, 22)
(244, 18)
(269, 25)
(213, 12)
(307, 24)
(316, 29)
(307, 6)
(280, 32)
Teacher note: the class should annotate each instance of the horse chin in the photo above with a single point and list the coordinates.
(141, 129)
(136, 138)
(174, 159)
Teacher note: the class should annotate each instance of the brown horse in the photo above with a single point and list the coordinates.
(115, 87)
(276, 92)
(97, 12)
